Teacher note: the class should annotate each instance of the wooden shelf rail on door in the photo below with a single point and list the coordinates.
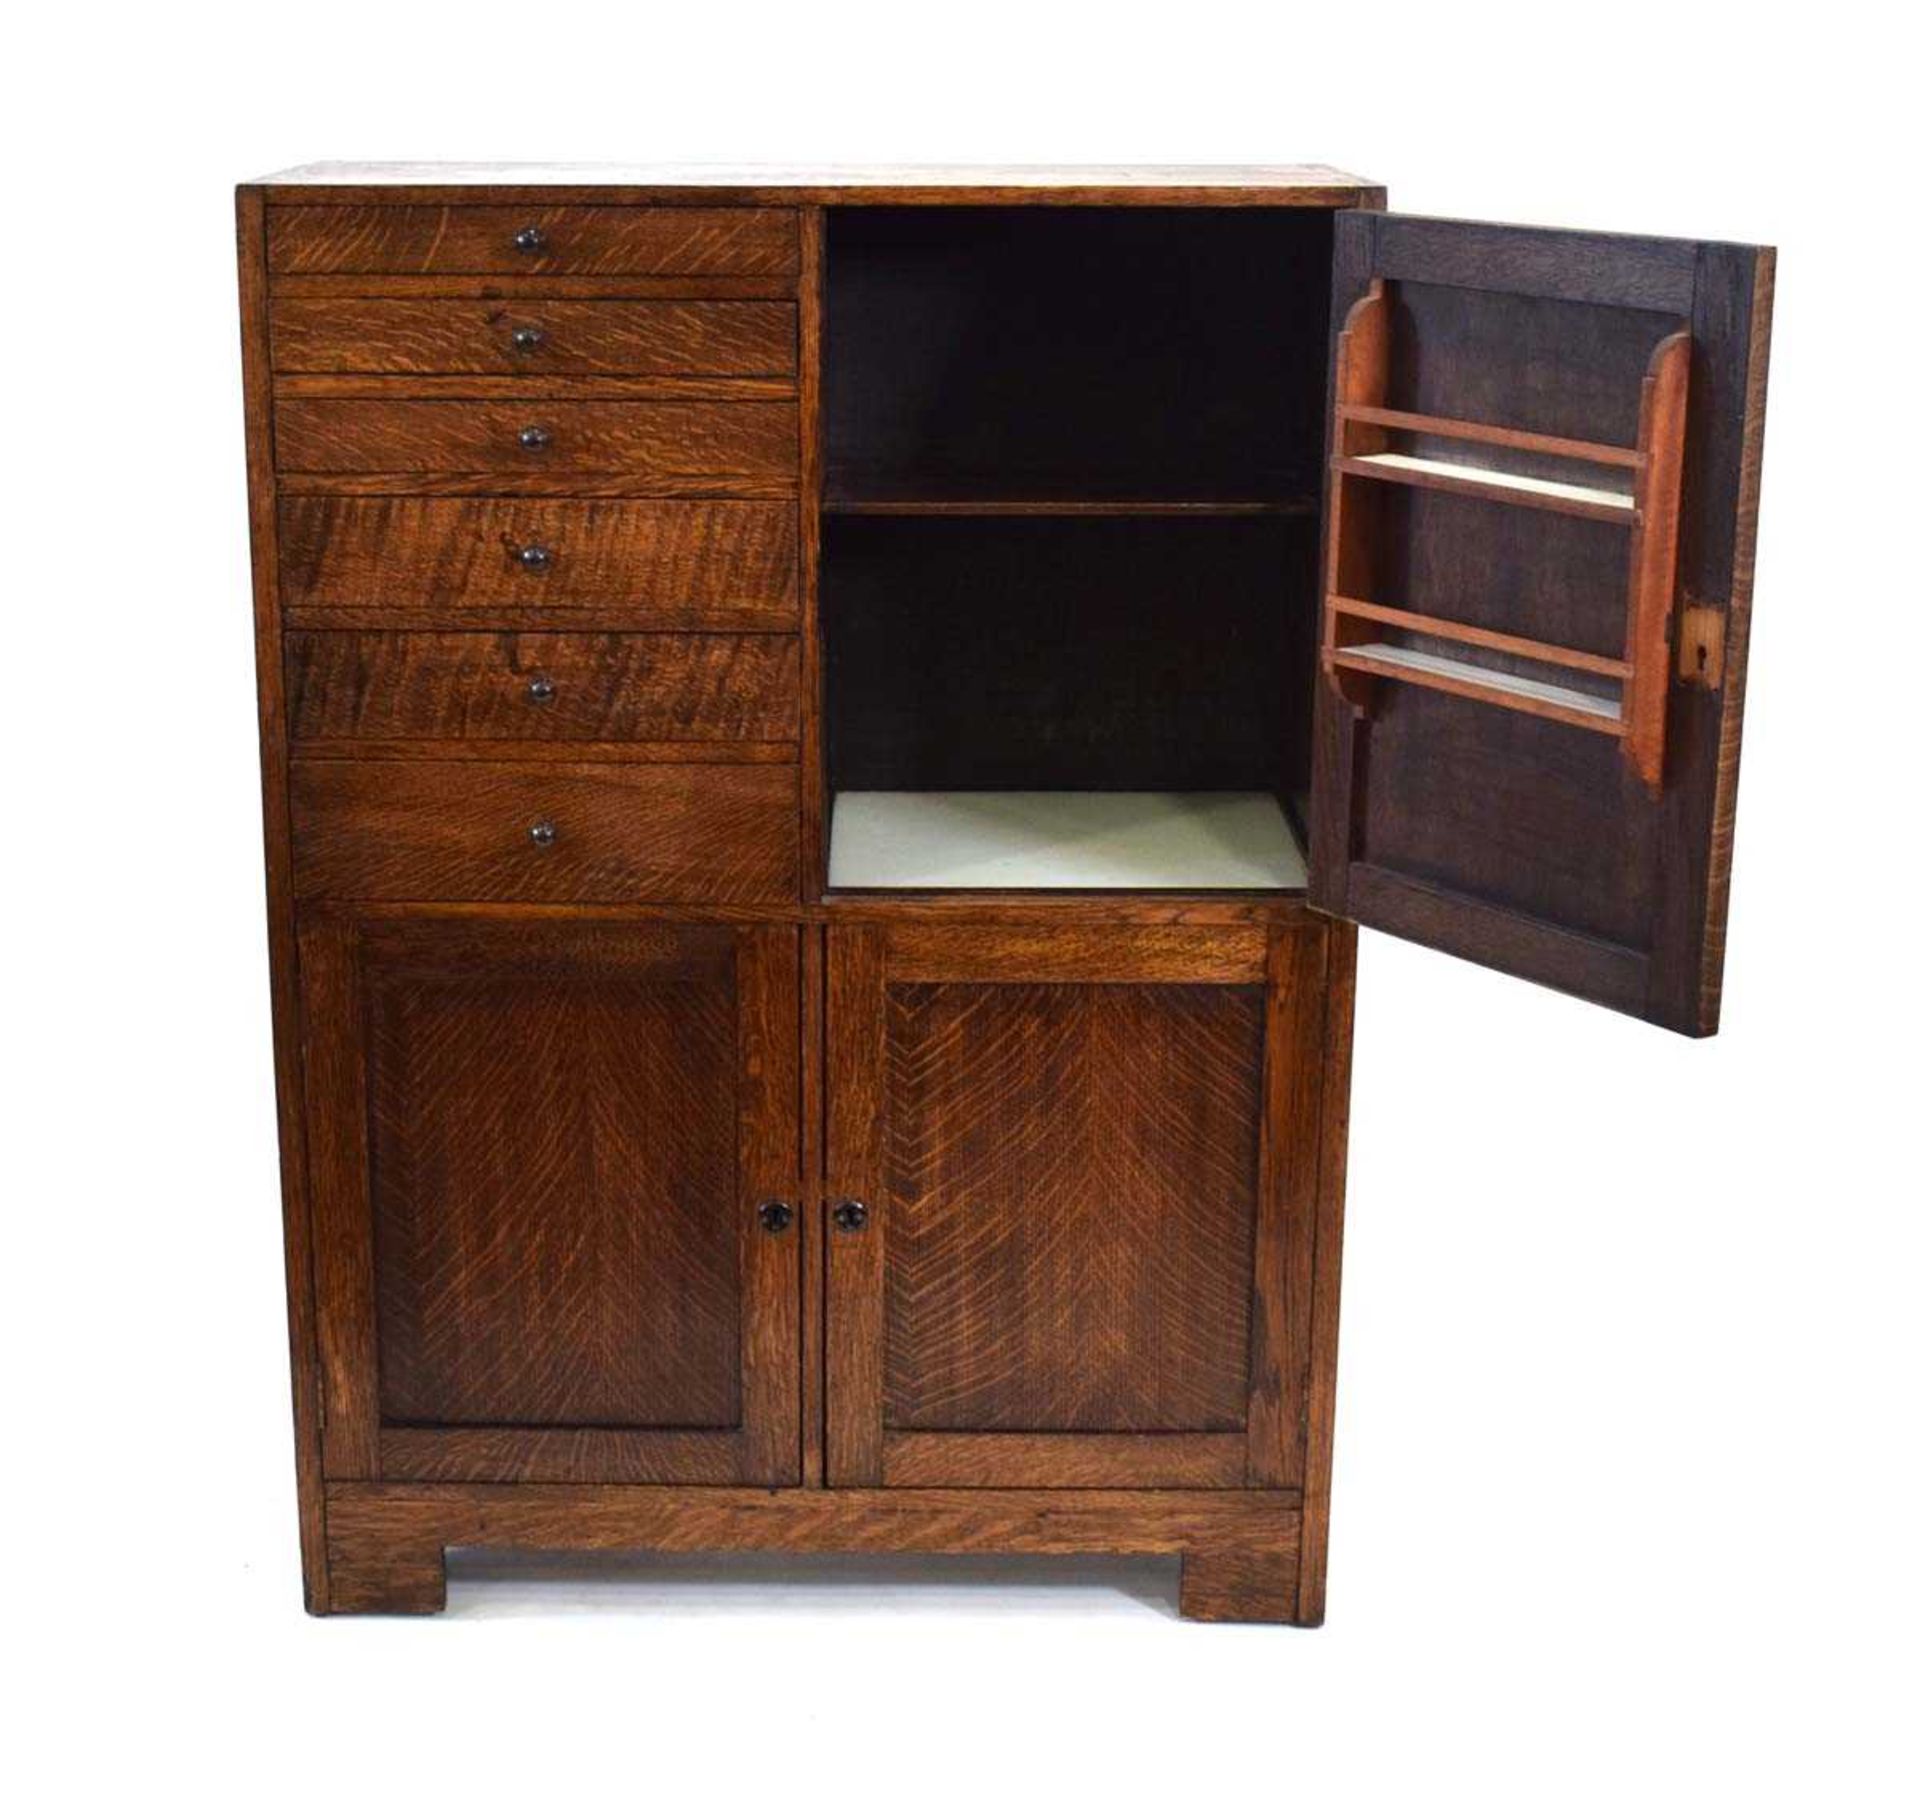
(1355, 656)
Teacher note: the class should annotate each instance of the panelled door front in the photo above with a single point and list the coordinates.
(1543, 482)
(1070, 1190)
(555, 1187)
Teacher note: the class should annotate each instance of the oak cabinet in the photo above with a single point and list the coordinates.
(825, 738)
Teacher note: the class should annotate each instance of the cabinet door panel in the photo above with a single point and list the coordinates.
(1543, 486)
(1071, 1180)
(539, 1153)
(1088, 1166)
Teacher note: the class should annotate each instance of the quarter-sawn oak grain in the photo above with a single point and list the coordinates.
(665, 447)
(464, 832)
(532, 337)
(536, 686)
(483, 240)
(424, 562)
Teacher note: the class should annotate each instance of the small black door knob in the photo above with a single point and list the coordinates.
(529, 239)
(775, 1216)
(528, 338)
(543, 833)
(535, 558)
(540, 687)
(535, 438)
(850, 1215)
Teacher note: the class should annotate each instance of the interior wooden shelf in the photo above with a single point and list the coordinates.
(1062, 840)
(946, 494)
(1500, 485)
(1458, 677)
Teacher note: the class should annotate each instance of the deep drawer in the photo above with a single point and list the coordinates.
(519, 241)
(396, 830)
(653, 445)
(363, 335)
(543, 686)
(415, 561)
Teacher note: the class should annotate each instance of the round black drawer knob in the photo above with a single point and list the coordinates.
(535, 438)
(535, 558)
(540, 688)
(775, 1217)
(528, 338)
(850, 1215)
(530, 239)
(543, 833)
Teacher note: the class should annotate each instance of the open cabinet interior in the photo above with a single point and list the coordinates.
(1070, 542)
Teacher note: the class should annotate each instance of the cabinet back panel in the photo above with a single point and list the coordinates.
(1073, 1175)
(1172, 352)
(1068, 654)
(553, 1185)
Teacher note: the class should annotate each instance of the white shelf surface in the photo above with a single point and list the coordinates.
(1062, 840)
(1602, 708)
(1499, 479)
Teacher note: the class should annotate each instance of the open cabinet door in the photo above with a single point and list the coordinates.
(1543, 476)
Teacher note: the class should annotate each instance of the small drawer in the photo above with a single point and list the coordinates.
(398, 830)
(543, 686)
(372, 336)
(414, 240)
(417, 561)
(700, 447)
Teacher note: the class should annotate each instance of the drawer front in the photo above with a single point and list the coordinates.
(536, 240)
(653, 445)
(543, 686)
(395, 830)
(422, 561)
(362, 335)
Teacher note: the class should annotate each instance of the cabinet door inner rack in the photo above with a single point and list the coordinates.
(1370, 446)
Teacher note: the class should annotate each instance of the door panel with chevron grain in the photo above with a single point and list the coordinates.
(544, 1155)
(1071, 1180)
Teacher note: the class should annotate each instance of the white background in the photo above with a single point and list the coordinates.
(1623, 1501)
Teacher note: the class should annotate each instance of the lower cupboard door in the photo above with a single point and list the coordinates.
(1071, 1184)
(554, 1177)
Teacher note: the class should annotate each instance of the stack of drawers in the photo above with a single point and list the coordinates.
(537, 475)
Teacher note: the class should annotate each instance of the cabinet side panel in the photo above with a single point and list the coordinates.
(284, 975)
(1329, 1224)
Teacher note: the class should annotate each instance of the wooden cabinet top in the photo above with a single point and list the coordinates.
(1068, 184)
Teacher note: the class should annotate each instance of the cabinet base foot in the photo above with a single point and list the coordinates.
(364, 1576)
(1241, 1586)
